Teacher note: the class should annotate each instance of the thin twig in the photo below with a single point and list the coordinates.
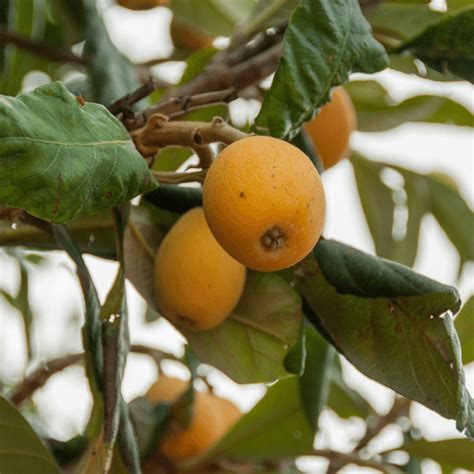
(40, 49)
(41, 375)
(125, 102)
(399, 408)
(15, 215)
(351, 458)
(176, 107)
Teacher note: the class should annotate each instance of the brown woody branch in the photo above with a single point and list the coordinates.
(178, 106)
(40, 376)
(14, 215)
(40, 49)
(400, 407)
(160, 132)
(124, 103)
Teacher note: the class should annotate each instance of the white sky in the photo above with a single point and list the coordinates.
(64, 402)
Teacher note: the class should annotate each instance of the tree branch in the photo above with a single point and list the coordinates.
(159, 132)
(178, 106)
(351, 458)
(399, 408)
(41, 375)
(13, 214)
(124, 103)
(40, 49)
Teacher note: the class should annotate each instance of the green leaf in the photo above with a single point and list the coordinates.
(196, 62)
(115, 342)
(304, 143)
(448, 44)
(126, 441)
(251, 344)
(66, 451)
(175, 198)
(409, 64)
(92, 333)
(376, 111)
(391, 323)
(93, 234)
(141, 241)
(283, 423)
(295, 360)
(149, 422)
(268, 13)
(28, 18)
(21, 449)
(325, 42)
(92, 459)
(343, 400)
(276, 427)
(212, 17)
(449, 453)
(394, 239)
(21, 300)
(453, 215)
(315, 381)
(457, 4)
(464, 323)
(111, 73)
(402, 21)
(60, 159)
(170, 159)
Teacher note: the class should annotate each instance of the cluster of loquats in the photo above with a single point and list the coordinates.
(263, 209)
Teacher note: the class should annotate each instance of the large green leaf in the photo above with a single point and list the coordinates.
(325, 41)
(277, 426)
(417, 195)
(464, 323)
(92, 460)
(453, 215)
(448, 44)
(376, 111)
(111, 73)
(449, 453)
(391, 323)
(393, 240)
(60, 159)
(283, 423)
(20, 448)
(115, 341)
(251, 344)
